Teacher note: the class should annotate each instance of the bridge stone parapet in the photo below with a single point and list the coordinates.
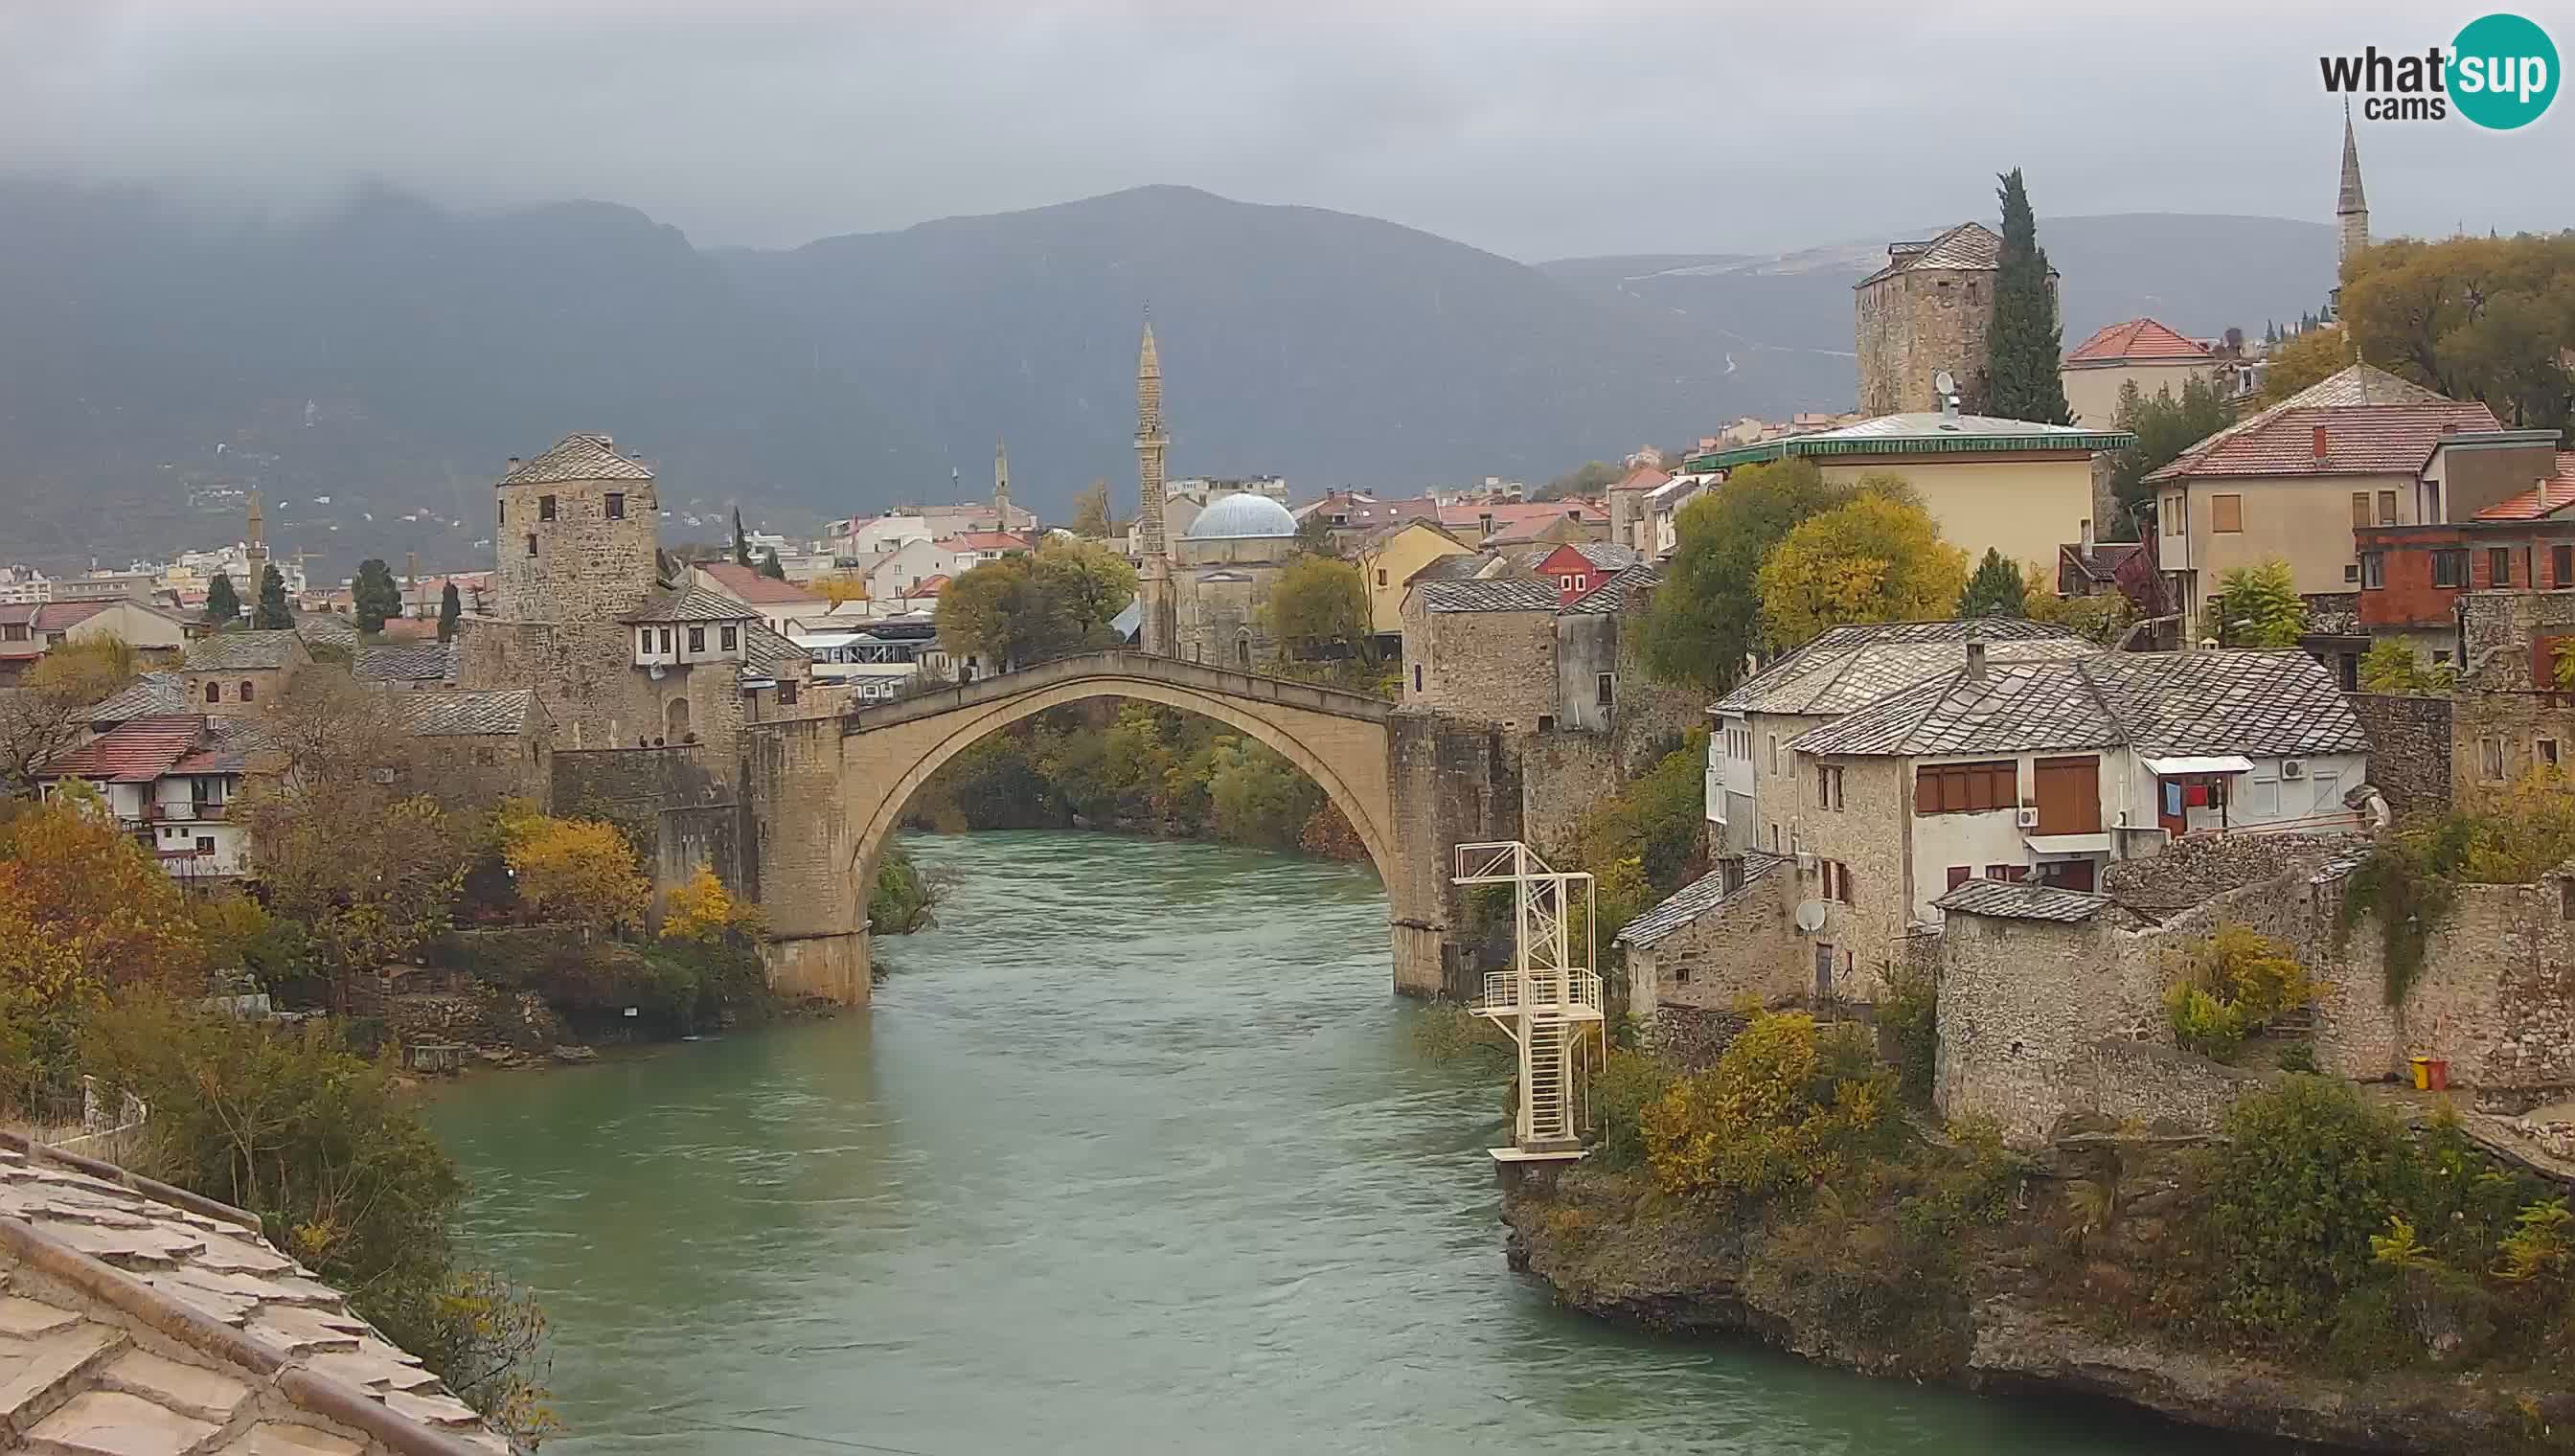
(827, 794)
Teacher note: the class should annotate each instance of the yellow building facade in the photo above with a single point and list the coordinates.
(1389, 558)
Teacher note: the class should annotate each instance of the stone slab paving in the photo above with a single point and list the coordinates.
(140, 1321)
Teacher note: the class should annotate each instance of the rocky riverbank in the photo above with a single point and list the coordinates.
(2058, 1295)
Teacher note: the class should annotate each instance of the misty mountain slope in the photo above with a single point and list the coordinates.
(1788, 315)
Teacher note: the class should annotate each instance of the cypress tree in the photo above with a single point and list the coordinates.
(741, 541)
(272, 614)
(2025, 346)
(449, 610)
(771, 568)
(1996, 590)
(375, 595)
(223, 604)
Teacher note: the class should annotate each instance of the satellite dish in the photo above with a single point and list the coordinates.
(1946, 382)
(1810, 916)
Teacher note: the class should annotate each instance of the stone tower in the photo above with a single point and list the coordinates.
(575, 533)
(255, 554)
(1928, 310)
(1000, 486)
(2352, 208)
(1159, 632)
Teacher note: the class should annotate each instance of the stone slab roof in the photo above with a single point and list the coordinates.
(320, 629)
(437, 714)
(1850, 668)
(1487, 594)
(426, 662)
(2007, 901)
(1608, 556)
(142, 1320)
(242, 651)
(2374, 423)
(579, 458)
(1968, 244)
(1696, 898)
(145, 695)
(1617, 593)
(2259, 704)
(690, 604)
(765, 653)
(2136, 341)
(1454, 567)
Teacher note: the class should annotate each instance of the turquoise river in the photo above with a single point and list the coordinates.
(1133, 1154)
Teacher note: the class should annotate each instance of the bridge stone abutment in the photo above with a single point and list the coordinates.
(830, 791)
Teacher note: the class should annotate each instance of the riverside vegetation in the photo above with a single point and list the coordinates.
(1795, 1191)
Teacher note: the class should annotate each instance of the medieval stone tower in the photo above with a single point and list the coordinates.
(575, 533)
(1928, 310)
(1158, 633)
(2352, 207)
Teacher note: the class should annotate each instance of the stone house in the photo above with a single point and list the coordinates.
(1726, 936)
(1840, 671)
(2507, 715)
(2361, 447)
(778, 603)
(236, 673)
(2007, 485)
(2140, 351)
(1630, 524)
(1482, 648)
(477, 746)
(171, 780)
(1926, 310)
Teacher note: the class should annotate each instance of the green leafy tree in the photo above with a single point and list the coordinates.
(771, 568)
(272, 614)
(741, 541)
(1319, 603)
(1314, 534)
(2025, 343)
(223, 604)
(1002, 615)
(2475, 318)
(2259, 606)
(1090, 516)
(2165, 426)
(1085, 582)
(450, 610)
(1706, 621)
(1878, 558)
(1996, 590)
(2392, 666)
(2311, 358)
(375, 595)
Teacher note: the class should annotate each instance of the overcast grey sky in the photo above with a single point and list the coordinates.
(1535, 130)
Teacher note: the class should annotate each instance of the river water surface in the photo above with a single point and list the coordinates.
(1134, 1155)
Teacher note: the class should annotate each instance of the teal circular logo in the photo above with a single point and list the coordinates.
(2503, 71)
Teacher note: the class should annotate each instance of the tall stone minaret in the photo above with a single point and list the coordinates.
(1159, 631)
(1000, 486)
(255, 550)
(2351, 209)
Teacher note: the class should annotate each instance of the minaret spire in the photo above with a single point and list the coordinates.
(1001, 485)
(255, 550)
(1159, 632)
(2351, 206)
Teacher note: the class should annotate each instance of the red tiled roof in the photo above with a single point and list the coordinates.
(927, 586)
(135, 752)
(746, 584)
(2135, 339)
(1510, 514)
(2373, 424)
(61, 616)
(1643, 478)
(984, 541)
(2548, 497)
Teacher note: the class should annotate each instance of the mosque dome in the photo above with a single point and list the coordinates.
(1241, 515)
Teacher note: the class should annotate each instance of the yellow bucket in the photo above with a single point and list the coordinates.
(2422, 1072)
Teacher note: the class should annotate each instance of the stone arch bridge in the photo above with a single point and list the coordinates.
(825, 792)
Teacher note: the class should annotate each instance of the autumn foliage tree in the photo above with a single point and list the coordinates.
(704, 913)
(580, 871)
(49, 711)
(1877, 558)
(1706, 621)
(1318, 604)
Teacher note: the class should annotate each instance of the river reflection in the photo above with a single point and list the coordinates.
(1133, 1155)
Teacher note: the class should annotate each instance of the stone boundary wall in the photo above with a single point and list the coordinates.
(1563, 772)
(674, 804)
(2163, 1088)
(2409, 749)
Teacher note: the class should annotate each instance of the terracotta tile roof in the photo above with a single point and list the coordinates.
(62, 615)
(2137, 339)
(1642, 477)
(2023, 901)
(136, 751)
(690, 604)
(984, 541)
(1850, 668)
(226, 748)
(1511, 515)
(2374, 423)
(1526, 558)
(579, 458)
(748, 585)
(1968, 244)
(242, 651)
(929, 586)
(144, 1318)
(2548, 497)
(1697, 897)
(2260, 705)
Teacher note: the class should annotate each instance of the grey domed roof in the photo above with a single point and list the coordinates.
(1242, 515)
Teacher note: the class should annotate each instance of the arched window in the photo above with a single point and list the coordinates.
(1242, 650)
(214, 690)
(245, 693)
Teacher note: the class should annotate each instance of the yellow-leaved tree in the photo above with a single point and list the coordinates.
(576, 871)
(704, 913)
(1789, 1103)
(1878, 558)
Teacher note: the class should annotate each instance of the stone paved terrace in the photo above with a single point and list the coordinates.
(137, 1319)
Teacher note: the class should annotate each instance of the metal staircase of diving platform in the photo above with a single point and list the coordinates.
(1548, 1001)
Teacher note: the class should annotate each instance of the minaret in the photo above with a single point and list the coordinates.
(1000, 486)
(2351, 209)
(255, 550)
(1158, 633)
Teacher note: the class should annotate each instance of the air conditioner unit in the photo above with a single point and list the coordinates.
(2293, 767)
(2027, 818)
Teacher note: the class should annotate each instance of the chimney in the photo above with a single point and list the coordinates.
(2088, 536)
(513, 467)
(2320, 442)
(1975, 660)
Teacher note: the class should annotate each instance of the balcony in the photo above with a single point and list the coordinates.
(186, 811)
(1572, 994)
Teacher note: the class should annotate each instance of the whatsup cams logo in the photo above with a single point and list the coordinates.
(2500, 73)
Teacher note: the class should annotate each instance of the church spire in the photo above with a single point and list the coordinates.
(2352, 207)
(1001, 485)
